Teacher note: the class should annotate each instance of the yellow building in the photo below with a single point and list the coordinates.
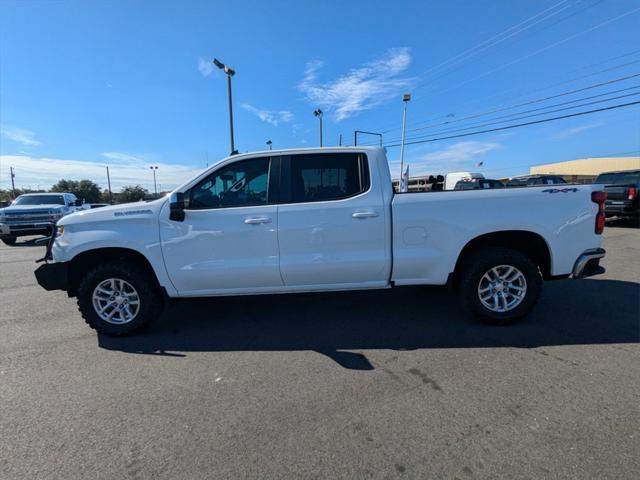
(585, 170)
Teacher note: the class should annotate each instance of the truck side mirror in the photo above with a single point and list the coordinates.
(176, 207)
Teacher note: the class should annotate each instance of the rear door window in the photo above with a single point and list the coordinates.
(330, 176)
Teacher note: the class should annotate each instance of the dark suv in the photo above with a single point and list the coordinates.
(536, 180)
(622, 193)
(478, 184)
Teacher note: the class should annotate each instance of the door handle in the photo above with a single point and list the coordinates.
(365, 214)
(256, 220)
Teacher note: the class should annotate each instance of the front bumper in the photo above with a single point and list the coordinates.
(53, 276)
(588, 263)
(22, 229)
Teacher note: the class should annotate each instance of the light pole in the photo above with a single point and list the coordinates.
(155, 185)
(405, 99)
(230, 73)
(318, 113)
(270, 143)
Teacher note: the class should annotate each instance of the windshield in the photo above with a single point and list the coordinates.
(620, 178)
(39, 200)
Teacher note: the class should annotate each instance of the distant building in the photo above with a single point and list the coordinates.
(416, 184)
(585, 170)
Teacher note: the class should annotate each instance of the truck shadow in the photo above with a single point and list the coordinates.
(569, 313)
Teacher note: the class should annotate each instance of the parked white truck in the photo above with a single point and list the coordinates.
(319, 220)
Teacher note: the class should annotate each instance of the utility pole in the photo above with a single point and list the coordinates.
(318, 113)
(340, 141)
(230, 73)
(13, 184)
(109, 186)
(405, 99)
(155, 185)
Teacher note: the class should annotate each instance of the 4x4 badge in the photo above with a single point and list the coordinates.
(559, 190)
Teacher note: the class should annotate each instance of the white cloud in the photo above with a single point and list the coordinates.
(569, 132)
(125, 157)
(33, 171)
(458, 156)
(204, 67)
(361, 88)
(20, 135)
(269, 116)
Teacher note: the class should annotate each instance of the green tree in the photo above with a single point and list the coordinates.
(132, 193)
(7, 195)
(84, 189)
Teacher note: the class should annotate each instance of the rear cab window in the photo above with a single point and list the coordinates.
(619, 178)
(325, 177)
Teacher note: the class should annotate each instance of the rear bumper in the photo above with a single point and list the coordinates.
(620, 208)
(53, 276)
(588, 263)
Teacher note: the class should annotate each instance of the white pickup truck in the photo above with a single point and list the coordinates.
(319, 220)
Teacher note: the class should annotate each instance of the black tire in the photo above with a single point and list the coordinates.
(9, 240)
(483, 261)
(149, 295)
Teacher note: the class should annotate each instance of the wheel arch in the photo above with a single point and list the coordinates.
(84, 261)
(527, 242)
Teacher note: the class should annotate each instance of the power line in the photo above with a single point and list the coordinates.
(418, 97)
(494, 40)
(508, 127)
(564, 82)
(531, 102)
(522, 104)
(543, 49)
(486, 124)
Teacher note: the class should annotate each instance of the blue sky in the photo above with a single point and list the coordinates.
(129, 84)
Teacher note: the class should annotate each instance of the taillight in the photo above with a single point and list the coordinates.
(631, 193)
(599, 198)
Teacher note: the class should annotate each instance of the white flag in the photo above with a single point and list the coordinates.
(404, 181)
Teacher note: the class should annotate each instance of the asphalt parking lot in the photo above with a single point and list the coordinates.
(387, 384)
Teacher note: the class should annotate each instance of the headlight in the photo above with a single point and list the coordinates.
(54, 217)
(59, 231)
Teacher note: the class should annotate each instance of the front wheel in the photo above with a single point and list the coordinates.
(118, 298)
(500, 285)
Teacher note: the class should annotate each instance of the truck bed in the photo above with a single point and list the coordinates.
(431, 228)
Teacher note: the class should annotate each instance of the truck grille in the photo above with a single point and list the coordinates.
(27, 217)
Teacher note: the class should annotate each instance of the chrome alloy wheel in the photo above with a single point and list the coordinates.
(502, 288)
(116, 301)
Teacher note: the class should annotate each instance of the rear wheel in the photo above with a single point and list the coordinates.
(118, 298)
(500, 285)
(9, 240)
